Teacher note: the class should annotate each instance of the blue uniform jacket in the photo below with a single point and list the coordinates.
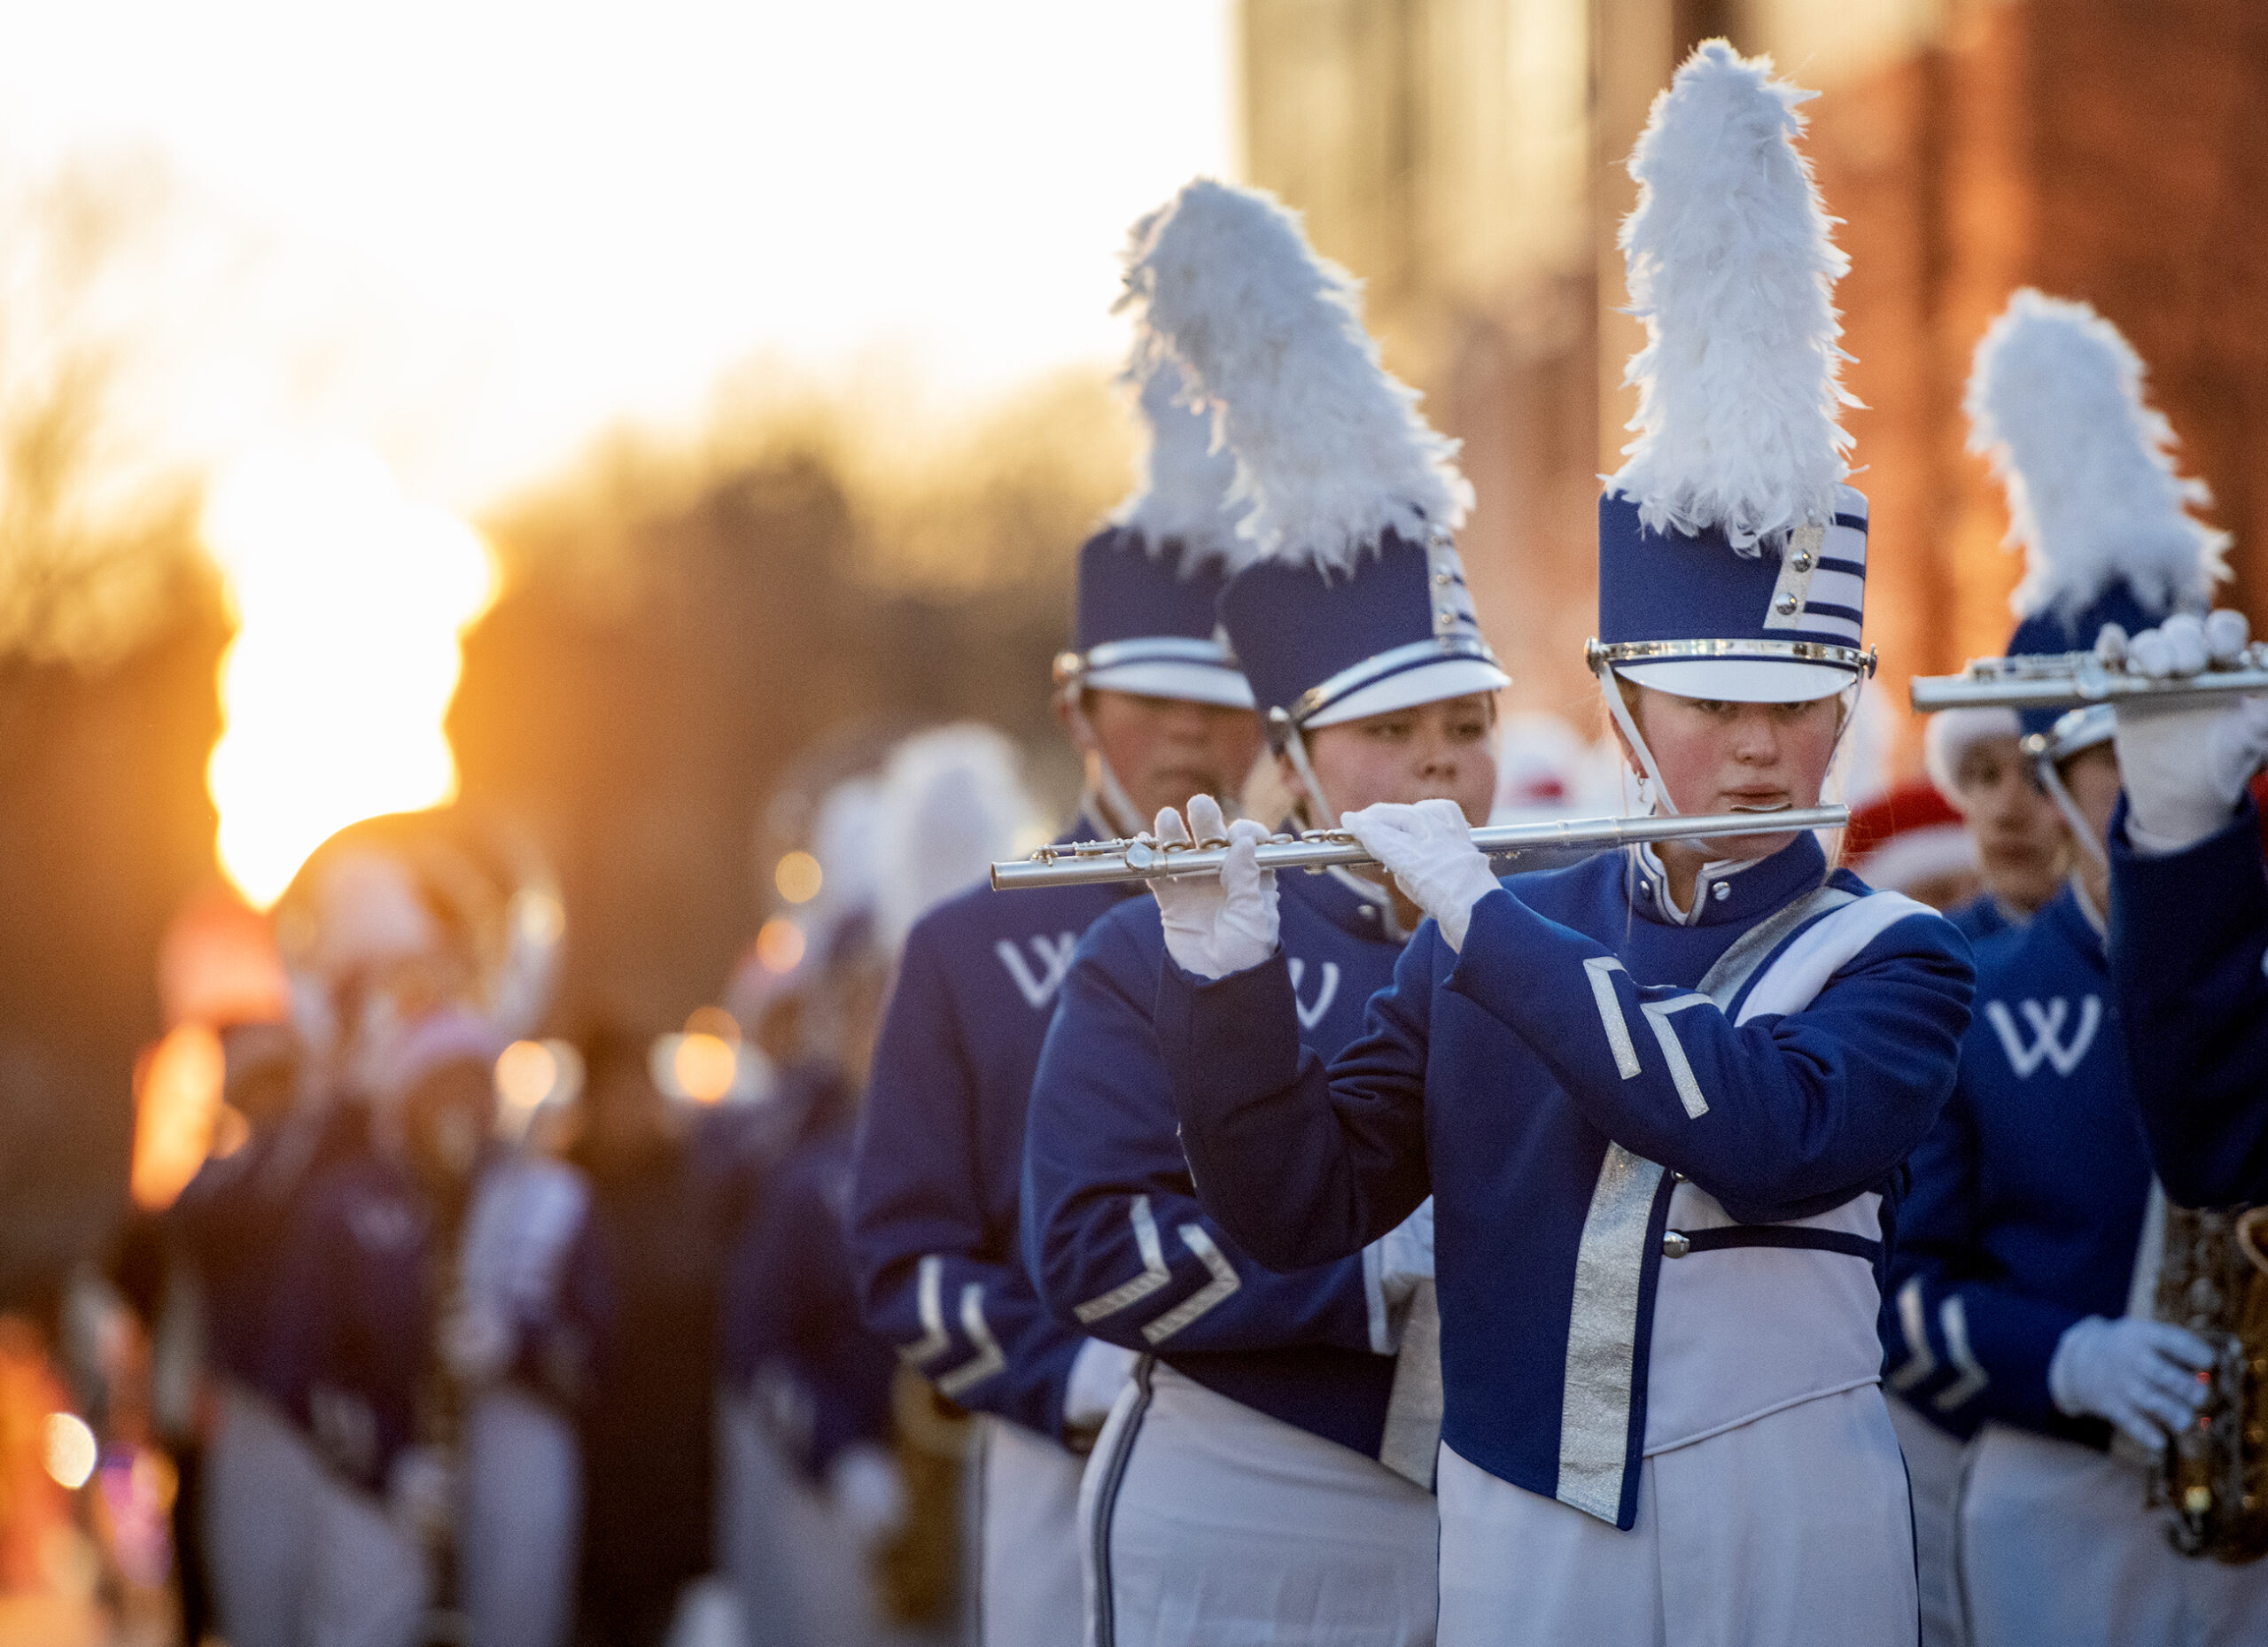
(231, 1220)
(2189, 963)
(1113, 1231)
(1551, 1101)
(940, 1151)
(1983, 917)
(353, 1341)
(2028, 1196)
(354, 1315)
(791, 1312)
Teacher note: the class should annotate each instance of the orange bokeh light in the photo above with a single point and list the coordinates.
(779, 945)
(177, 1088)
(704, 1066)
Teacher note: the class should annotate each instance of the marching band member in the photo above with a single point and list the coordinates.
(2023, 848)
(1659, 1099)
(259, 1474)
(1159, 710)
(522, 1339)
(355, 1349)
(358, 919)
(2189, 921)
(2020, 1308)
(1247, 1488)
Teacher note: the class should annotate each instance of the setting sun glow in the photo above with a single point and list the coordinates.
(350, 602)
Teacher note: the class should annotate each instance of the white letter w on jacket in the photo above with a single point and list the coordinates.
(1054, 955)
(2048, 1033)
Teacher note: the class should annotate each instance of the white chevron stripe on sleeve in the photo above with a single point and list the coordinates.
(934, 1341)
(1921, 1360)
(1225, 1282)
(1973, 1378)
(1681, 1072)
(1154, 1273)
(1610, 1014)
(988, 1359)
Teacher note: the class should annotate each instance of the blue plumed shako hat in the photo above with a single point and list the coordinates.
(1732, 558)
(2055, 401)
(1148, 582)
(1398, 630)
(1350, 600)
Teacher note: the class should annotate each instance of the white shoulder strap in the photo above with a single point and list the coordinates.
(1828, 945)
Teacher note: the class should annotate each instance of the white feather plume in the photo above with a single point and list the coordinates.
(1330, 449)
(1731, 264)
(1184, 497)
(2055, 402)
(953, 803)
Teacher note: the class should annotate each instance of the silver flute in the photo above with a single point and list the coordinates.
(1094, 863)
(2060, 680)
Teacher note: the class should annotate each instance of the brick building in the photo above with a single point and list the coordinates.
(1464, 157)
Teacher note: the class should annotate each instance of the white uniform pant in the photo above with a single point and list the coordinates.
(262, 1484)
(1933, 1464)
(1206, 1524)
(1790, 1531)
(2055, 1546)
(522, 1501)
(368, 1585)
(1026, 1518)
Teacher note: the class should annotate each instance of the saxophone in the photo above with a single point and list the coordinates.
(2213, 1476)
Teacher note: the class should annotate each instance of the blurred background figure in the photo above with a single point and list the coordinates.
(521, 1338)
(857, 1538)
(646, 1429)
(2023, 846)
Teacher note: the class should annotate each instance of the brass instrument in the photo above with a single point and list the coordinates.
(1093, 863)
(2062, 680)
(2213, 1476)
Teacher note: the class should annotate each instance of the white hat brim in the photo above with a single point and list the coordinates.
(1740, 680)
(1194, 683)
(1429, 683)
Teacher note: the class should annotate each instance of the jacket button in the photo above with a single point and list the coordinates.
(1674, 1243)
(1722, 890)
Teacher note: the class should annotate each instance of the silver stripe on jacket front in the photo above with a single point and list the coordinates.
(1603, 1335)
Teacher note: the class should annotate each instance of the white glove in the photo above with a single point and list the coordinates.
(1218, 924)
(2184, 762)
(1098, 1371)
(868, 1492)
(1406, 1254)
(1428, 850)
(2140, 1375)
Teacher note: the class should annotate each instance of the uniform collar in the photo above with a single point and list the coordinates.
(1349, 902)
(1727, 892)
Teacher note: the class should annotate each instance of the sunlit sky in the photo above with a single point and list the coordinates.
(487, 228)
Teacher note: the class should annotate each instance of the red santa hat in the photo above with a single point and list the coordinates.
(1906, 837)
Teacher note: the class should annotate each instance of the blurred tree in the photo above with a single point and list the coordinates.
(109, 631)
(681, 622)
(96, 526)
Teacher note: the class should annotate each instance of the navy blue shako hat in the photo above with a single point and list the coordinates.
(1352, 601)
(1399, 630)
(2055, 401)
(1143, 620)
(1732, 556)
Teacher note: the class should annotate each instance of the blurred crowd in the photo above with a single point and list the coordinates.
(445, 1334)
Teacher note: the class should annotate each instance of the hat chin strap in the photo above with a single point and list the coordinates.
(1652, 790)
(1105, 796)
(2052, 780)
(1295, 750)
